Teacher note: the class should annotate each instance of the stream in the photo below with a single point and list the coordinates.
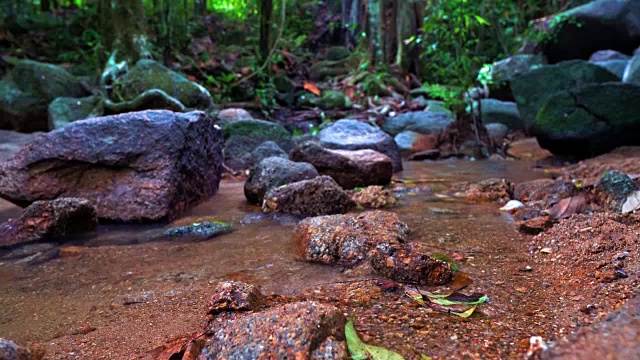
(104, 297)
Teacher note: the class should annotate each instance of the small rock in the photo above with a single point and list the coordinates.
(485, 191)
(546, 190)
(318, 196)
(346, 239)
(373, 197)
(536, 225)
(501, 112)
(231, 115)
(412, 142)
(202, 230)
(423, 122)
(302, 330)
(50, 220)
(333, 100)
(425, 155)
(613, 189)
(349, 168)
(235, 296)
(273, 172)
(402, 264)
(265, 150)
(497, 132)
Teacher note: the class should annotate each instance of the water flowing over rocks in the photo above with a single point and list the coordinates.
(143, 166)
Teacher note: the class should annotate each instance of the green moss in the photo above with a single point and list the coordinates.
(332, 100)
(206, 229)
(255, 128)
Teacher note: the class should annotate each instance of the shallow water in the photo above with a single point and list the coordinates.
(95, 284)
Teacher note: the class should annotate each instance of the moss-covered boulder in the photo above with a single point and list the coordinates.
(64, 110)
(148, 75)
(333, 100)
(533, 89)
(590, 120)
(25, 94)
(499, 75)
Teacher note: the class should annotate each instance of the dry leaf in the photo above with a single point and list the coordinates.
(311, 88)
(567, 207)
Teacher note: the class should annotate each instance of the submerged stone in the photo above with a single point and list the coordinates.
(205, 230)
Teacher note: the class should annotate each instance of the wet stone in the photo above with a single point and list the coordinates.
(235, 296)
(403, 264)
(303, 330)
(613, 189)
(546, 190)
(204, 230)
(318, 196)
(373, 197)
(347, 239)
(273, 172)
(485, 191)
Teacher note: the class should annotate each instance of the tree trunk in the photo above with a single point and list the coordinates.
(375, 33)
(131, 35)
(266, 19)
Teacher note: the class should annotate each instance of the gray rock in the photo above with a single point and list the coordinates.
(615, 186)
(349, 168)
(497, 132)
(632, 71)
(606, 55)
(318, 196)
(355, 135)
(244, 136)
(503, 112)
(607, 24)
(533, 89)
(333, 100)
(233, 114)
(423, 122)
(25, 94)
(266, 150)
(11, 142)
(502, 72)
(63, 111)
(615, 66)
(273, 172)
(143, 166)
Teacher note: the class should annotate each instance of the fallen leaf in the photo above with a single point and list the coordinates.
(632, 203)
(567, 207)
(458, 299)
(425, 357)
(311, 88)
(546, 250)
(361, 351)
(467, 313)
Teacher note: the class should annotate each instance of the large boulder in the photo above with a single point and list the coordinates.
(318, 196)
(300, 330)
(273, 172)
(355, 135)
(499, 75)
(607, 24)
(503, 112)
(25, 94)
(64, 110)
(590, 120)
(148, 75)
(244, 136)
(347, 239)
(143, 166)
(49, 220)
(533, 89)
(423, 122)
(349, 168)
(606, 55)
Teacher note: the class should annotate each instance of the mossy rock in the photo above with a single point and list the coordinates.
(590, 120)
(148, 74)
(283, 84)
(533, 89)
(502, 72)
(616, 186)
(307, 99)
(203, 230)
(64, 110)
(255, 128)
(502, 112)
(25, 94)
(334, 100)
(324, 69)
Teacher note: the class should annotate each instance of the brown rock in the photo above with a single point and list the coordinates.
(346, 239)
(349, 168)
(142, 166)
(11, 142)
(527, 149)
(536, 225)
(303, 330)
(10, 351)
(373, 197)
(485, 191)
(318, 196)
(49, 220)
(546, 190)
(403, 264)
(235, 296)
